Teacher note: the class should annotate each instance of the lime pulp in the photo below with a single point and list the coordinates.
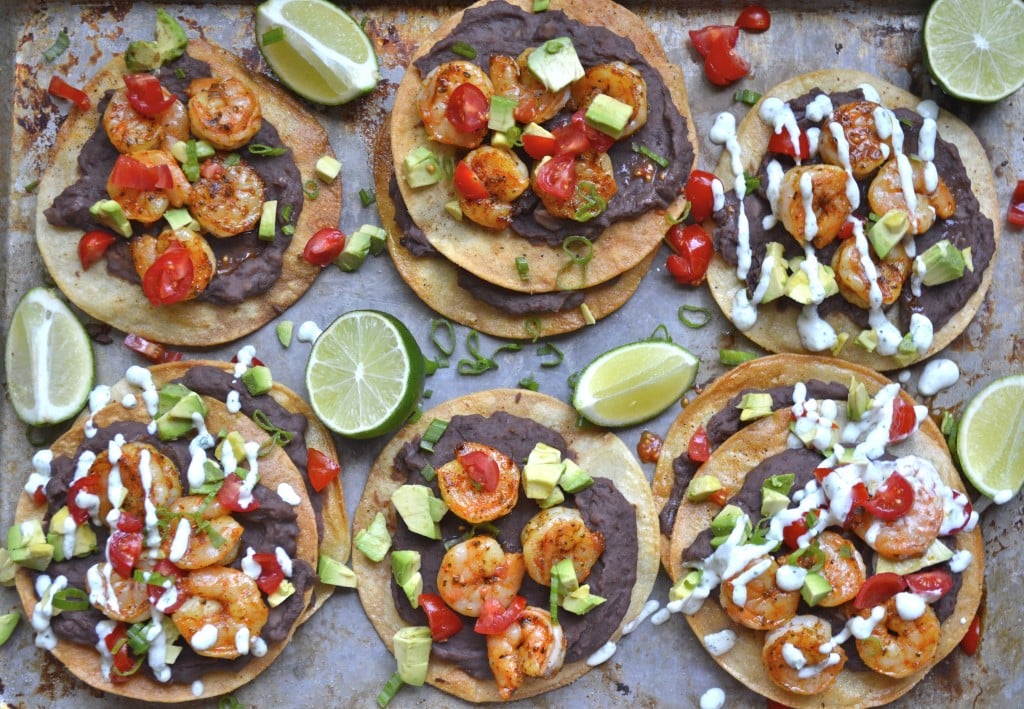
(990, 440)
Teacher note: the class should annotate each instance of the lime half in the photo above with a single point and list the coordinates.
(990, 441)
(975, 48)
(365, 374)
(49, 361)
(633, 383)
(316, 49)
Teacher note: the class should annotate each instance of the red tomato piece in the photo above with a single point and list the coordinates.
(1015, 214)
(972, 638)
(700, 195)
(154, 591)
(271, 573)
(90, 484)
(601, 142)
(692, 244)
(146, 95)
(720, 497)
(123, 663)
(782, 144)
(212, 170)
(494, 618)
(698, 449)
(468, 109)
(132, 173)
(468, 183)
(557, 176)
(324, 246)
(821, 473)
(153, 351)
(62, 89)
(754, 18)
(904, 420)
(321, 468)
(722, 64)
(230, 492)
(123, 549)
(442, 620)
(481, 468)
(891, 500)
(39, 496)
(128, 522)
(878, 589)
(537, 146)
(256, 361)
(169, 279)
(703, 38)
(93, 245)
(846, 231)
(792, 532)
(931, 585)
(570, 139)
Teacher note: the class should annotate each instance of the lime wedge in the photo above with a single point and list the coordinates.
(633, 383)
(975, 48)
(316, 49)
(49, 361)
(365, 374)
(990, 441)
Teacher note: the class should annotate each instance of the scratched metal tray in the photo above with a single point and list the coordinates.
(337, 659)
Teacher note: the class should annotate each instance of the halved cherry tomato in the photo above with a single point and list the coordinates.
(481, 468)
(904, 420)
(127, 522)
(570, 139)
(846, 231)
(689, 265)
(1015, 214)
(720, 497)
(495, 618)
(93, 245)
(90, 484)
(782, 144)
(858, 497)
(153, 351)
(892, 499)
(123, 663)
(212, 170)
(972, 638)
(146, 95)
(601, 142)
(324, 246)
(878, 589)
(792, 532)
(698, 449)
(706, 36)
(169, 279)
(700, 195)
(754, 18)
(155, 592)
(931, 585)
(821, 473)
(537, 146)
(39, 496)
(468, 109)
(132, 173)
(271, 573)
(716, 43)
(557, 176)
(230, 492)
(62, 89)
(123, 549)
(321, 469)
(468, 183)
(442, 620)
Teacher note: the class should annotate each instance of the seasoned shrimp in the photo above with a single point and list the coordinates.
(619, 81)
(595, 183)
(512, 79)
(223, 610)
(822, 189)
(227, 199)
(140, 474)
(532, 646)
(117, 597)
(210, 535)
(844, 568)
(224, 112)
(555, 534)
(898, 647)
(147, 206)
(754, 600)
(909, 535)
(866, 150)
(434, 97)
(854, 282)
(466, 497)
(886, 194)
(793, 658)
(129, 131)
(475, 570)
(505, 177)
(145, 249)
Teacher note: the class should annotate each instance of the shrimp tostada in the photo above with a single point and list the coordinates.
(583, 93)
(200, 167)
(821, 541)
(174, 538)
(868, 220)
(520, 545)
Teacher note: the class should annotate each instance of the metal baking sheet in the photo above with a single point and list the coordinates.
(337, 659)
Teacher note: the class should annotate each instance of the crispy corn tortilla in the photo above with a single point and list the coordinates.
(776, 328)
(275, 469)
(742, 452)
(122, 304)
(600, 453)
(434, 278)
(491, 254)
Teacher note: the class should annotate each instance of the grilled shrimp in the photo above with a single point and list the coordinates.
(854, 281)
(619, 81)
(555, 534)
(793, 658)
(866, 150)
(223, 612)
(224, 112)
(532, 646)
(147, 206)
(512, 79)
(117, 597)
(467, 498)
(753, 599)
(435, 95)
(146, 249)
(475, 570)
(129, 131)
(886, 194)
(227, 199)
(595, 182)
(909, 535)
(813, 204)
(144, 476)
(505, 177)
(844, 568)
(898, 647)
(210, 535)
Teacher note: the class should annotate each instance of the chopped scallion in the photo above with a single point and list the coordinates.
(286, 212)
(288, 229)
(523, 268)
(428, 472)
(593, 203)
(553, 599)
(229, 702)
(31, 186)
(446, 349)
(137, 641)
(547, 349)
(433, 434)
(59, 46)
(533, 328)
(540, 5)
(648, 153)
(464, 50)
(660, 334)
(672, 221)
(232, 159)
(528, 382)
(704, 319)
(581, 259)
(275, 34)
(746, 96)
(753, 182)
(367, 197)
(311, 188)
(191, 165)
(71, 599)
(265, 150)
(731, 358)
(179, 73)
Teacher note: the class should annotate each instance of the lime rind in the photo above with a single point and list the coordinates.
(990, 440)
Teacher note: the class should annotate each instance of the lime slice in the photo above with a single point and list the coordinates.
(365, 374)
(975, 48)
(633, 383)
(990, 441)
(316, 49)
(49, 361)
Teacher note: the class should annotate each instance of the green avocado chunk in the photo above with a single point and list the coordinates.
(258, 380)
(542, 471)
(110, 214)
(374, 541)
(177, 421)
(171, 39)
(702, 487)
(413, 503)
(27, 545)
(815, 588)
(582, 601)
(335, 573)
(555, 64)
(412, 652)
(405, 565)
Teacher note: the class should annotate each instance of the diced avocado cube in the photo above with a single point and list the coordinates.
(438, 508)
(357, 248)
(170, 394)
(940, 263)
(171, 653)
(798, 286)
(702, 487)
(327, 168)
(335, 573)
(555, 64)
(171, 429)
(582, 601)
(888, 231)
(501, 117)
(725, 521)
(422, 168)
(608, 115)
(170, 36)
(542, 471)
(142, 55)
(85, 536)
(213, 478)
(454, 209)
(236, 442)
(405, 565)
(279, 596)
(755, 406)
(378, 238)
(772, 502)
(574, 478)
(412, 652)
(858, 401)
(110, 214)
(781, 483)
(565, 572)
(374, 541)
(268, 221)
(501, 140)
(556, 497)
(779, 276)
(937, 553)
(816, 587)
(907, 346)
(968, 259)
(180, 150)
(258, 380)
(284, 331)
(7, 568)
(27, 545)
(537, 129)
(685, 586)
(181, 218)
(868, 339)
(413, 505)
(841, 340)
(177, 421)
(8, 622)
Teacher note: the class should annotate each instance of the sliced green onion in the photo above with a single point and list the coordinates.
(31, 186)
(872, 217)
(191, 165)
(548, 349)
(648, 153)
(464, 50)
(229, 702)
(129, 673)
(446, 349)
(278, 435)
(515, 136)
(479, 364)
(232, 159)
(753, 182)
(553, 599)
(311, 188)
(367, 197)
(428, 472)
(433, 434)
(265, 150)
(533, 328)
(59, 46)
(415, 415)
(846, 551)
(593, 203)
(588, 317)
(528, 382)
(136, 635)
(272, 35)
(660, 334)
(672, 221)
(575, 259)
(705, 316)
(427, 393)
(572, 379)
(430, 366)
(288, 229)
(746, 96)
(71, 599)
(447, 164)
(286, 212)
(179, 73)
(523, 268)
(811, 518)
(813, 553)
(540, 5)
(731, 358)
(150, 577)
